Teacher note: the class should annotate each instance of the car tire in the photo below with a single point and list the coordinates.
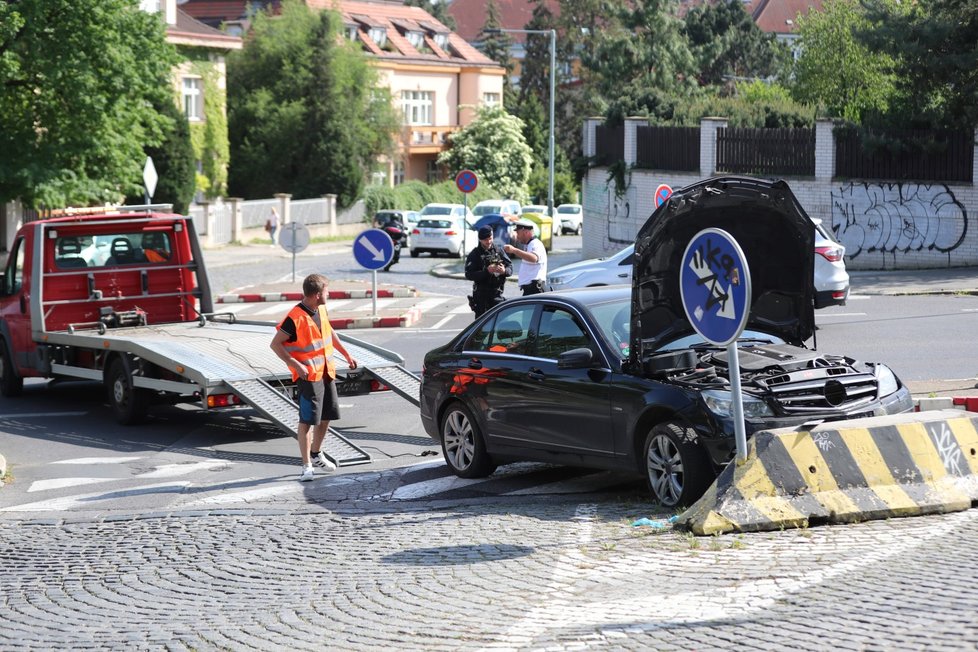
(415, 253)
(676, 469)
(11, 383)
(462, 444)
(577, 231)
(129, 403)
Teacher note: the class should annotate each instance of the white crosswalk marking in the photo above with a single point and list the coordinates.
(97, 460)
(176, 470)
(90, 501)
(61, 483)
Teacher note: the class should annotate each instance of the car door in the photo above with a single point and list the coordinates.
(15, 306)
(561, 410)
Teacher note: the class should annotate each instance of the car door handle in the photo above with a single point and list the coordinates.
(623, 275)
(23, 304)
(536, 374)
(475, 363)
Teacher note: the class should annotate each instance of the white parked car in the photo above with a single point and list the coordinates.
(570, 219)
(509, 208)
(443, 234)
(830, 278)
(535, 208)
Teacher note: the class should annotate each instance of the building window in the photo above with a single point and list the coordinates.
(433, 173)
(378, 35)
(441, 40)
(490, 99)
(150, 6)
(416, 39)
(416, 106)
(399, 173)
(193, 100)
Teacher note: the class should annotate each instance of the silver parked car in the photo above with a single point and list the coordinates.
(830, 277)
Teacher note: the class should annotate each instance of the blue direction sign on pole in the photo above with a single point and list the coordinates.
(715, 286)
(373, 249)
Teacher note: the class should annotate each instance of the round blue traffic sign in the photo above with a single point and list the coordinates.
(715, 285)
(466, 181)
(662, 193)
(373, 249)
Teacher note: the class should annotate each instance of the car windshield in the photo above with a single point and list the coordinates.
(486, 209)
(436, 210)
(569, 209)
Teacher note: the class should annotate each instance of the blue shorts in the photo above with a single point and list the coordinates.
(318, 401)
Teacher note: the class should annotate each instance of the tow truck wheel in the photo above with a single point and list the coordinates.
(11, 384)
(129, 403)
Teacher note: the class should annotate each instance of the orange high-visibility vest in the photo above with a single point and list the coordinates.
(312, 347)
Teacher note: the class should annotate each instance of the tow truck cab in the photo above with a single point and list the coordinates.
(96, 272)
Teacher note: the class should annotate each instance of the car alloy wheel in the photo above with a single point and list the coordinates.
(462, 444)
(676, 468)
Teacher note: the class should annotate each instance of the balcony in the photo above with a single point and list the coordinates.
(418, 139)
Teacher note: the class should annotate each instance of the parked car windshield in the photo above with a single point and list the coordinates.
(569, 209)
(436, 210)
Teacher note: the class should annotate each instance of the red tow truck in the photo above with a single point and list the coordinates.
(122, 297)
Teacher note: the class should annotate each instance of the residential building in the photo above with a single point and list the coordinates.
(435, 76)
(200, 83)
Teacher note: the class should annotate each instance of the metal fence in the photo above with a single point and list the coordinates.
(766, 151)
(668, 148)
(921, 155)
(609, 144)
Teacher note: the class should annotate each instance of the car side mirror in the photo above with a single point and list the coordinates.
(575, 359)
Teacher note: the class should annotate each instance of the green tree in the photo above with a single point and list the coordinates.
(78, 85)
(727, 43)
(174, 163)
(837, 71)
(305, 113)
(641, 63)
(933, 43)
(496, 46)
(493, 147)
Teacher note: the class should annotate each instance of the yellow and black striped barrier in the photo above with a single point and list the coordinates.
(845, 471)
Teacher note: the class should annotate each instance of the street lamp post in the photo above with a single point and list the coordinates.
(553, 74)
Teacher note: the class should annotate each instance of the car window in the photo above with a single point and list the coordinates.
(569, 209)
(614, 320)
(559, 331)
(508, 333)
(434, 224)
(436, 210)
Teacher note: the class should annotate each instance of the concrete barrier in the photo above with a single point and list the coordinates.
(847, 471)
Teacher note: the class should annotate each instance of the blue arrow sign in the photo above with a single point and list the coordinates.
(373, 249)
(715, 284)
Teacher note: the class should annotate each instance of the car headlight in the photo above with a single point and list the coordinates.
(563, 279)
(887, 380)
(720, 403)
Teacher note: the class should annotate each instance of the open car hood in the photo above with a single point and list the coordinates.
(775, 234)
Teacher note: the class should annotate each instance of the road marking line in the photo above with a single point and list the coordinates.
(97, 460)
(176, 470)
(442, 322)
(90, 500)
(61, 483)
(842, 314)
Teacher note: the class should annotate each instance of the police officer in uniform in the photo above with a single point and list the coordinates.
(488, 267)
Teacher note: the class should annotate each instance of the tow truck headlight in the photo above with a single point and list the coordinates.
(720, 403)
(887, 380)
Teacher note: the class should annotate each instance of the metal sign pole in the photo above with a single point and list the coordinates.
(373, 295)
(740, 431)
(465, 224)
(292, 228)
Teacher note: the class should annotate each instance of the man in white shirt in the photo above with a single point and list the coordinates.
(532, 276)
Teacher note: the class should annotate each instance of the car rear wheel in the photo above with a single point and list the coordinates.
(415, 253)
(577, 231)
(462, 444)
(676, 468)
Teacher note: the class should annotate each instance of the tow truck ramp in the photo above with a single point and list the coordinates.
(283, 412)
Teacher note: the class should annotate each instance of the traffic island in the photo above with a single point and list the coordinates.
(844, 472)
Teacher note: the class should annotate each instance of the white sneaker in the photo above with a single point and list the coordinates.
(323, 462)
(307, 474)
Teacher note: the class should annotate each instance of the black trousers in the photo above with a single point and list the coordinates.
(533, 287)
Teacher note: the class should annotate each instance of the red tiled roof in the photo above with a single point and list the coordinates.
(781, 16)
(470, 16)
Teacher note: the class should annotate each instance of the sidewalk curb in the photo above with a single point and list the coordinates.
(3, 469)
(409, 318)
(967, 403)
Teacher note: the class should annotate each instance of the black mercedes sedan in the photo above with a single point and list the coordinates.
(616, 377)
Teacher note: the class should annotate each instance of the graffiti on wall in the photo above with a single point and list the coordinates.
(622, 217)
(897, 217)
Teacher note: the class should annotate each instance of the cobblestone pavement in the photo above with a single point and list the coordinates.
(521, 574)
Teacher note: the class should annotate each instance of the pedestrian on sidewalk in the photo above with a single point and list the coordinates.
(305, 342)
(532, 276)
(488, 267)
(271, 224)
